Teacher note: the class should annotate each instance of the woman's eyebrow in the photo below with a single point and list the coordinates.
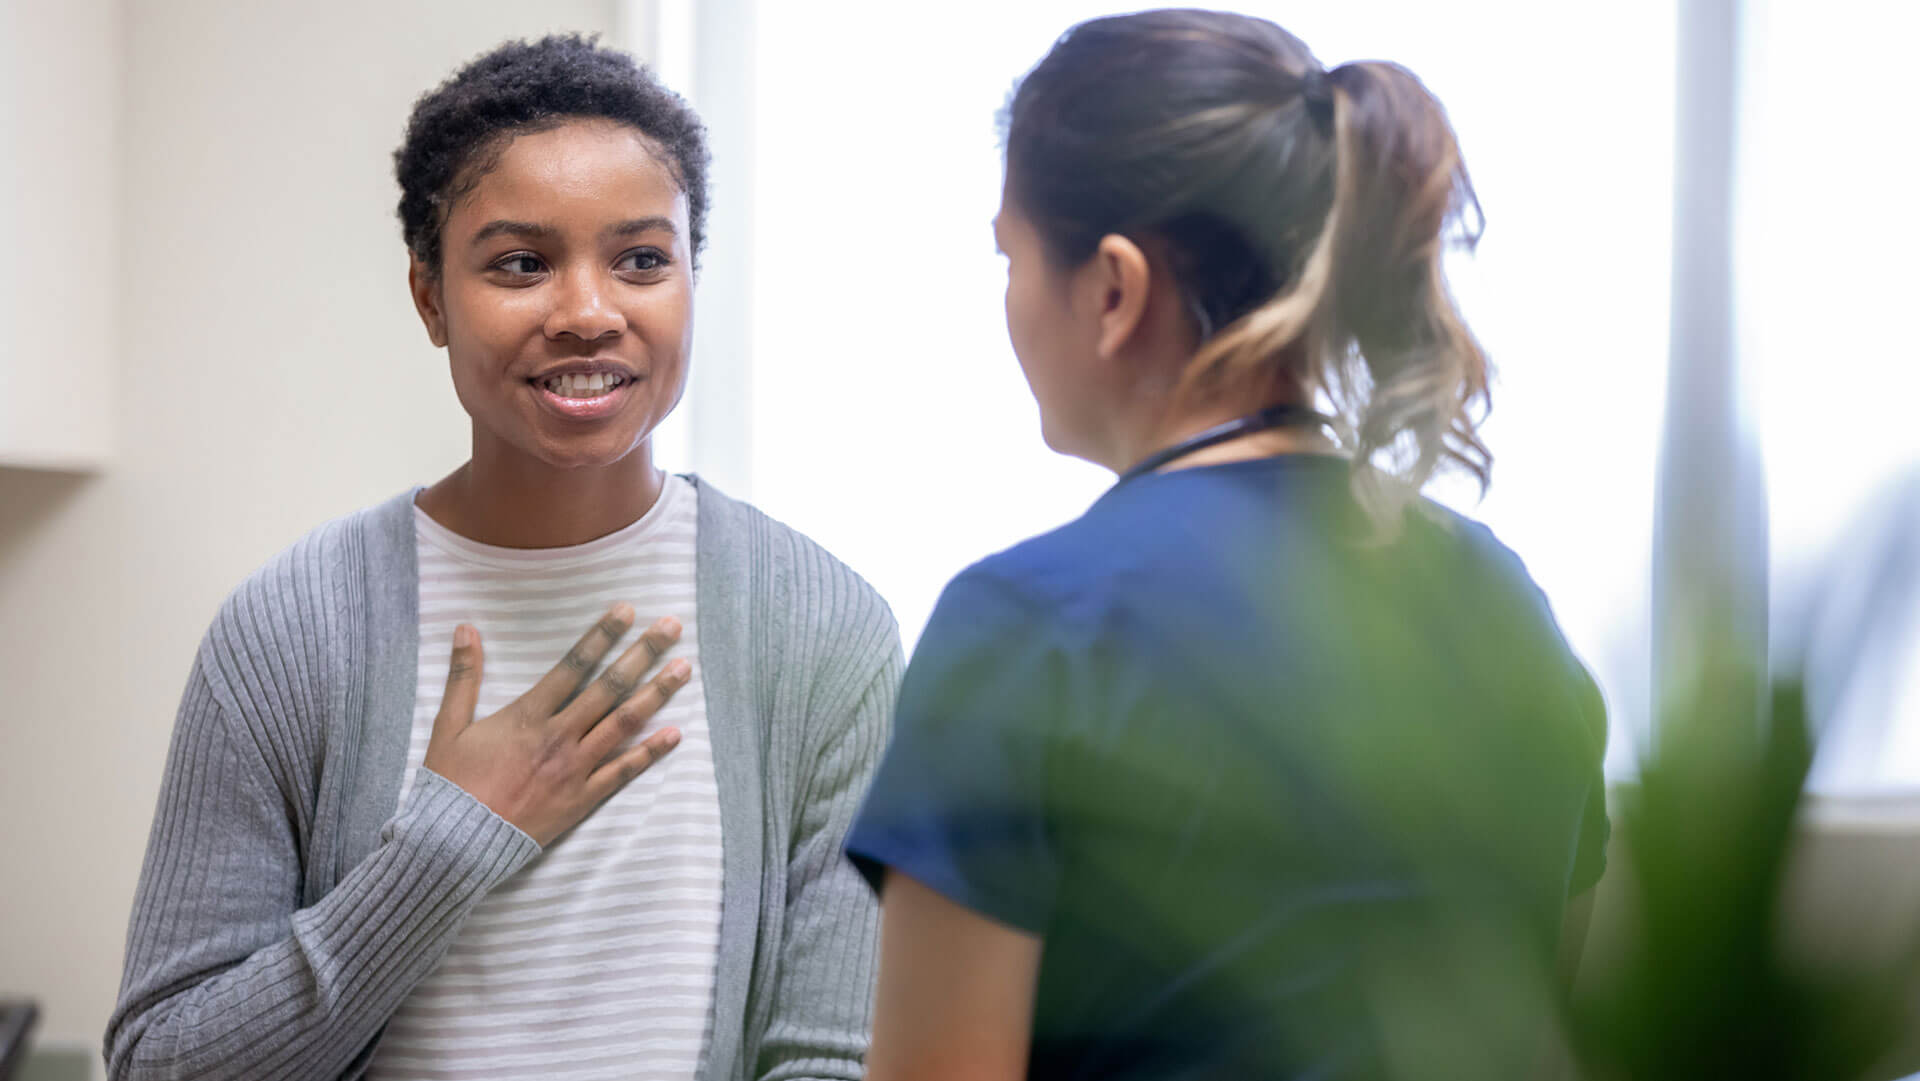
(533, 231)
(641, 225)
(503, 227)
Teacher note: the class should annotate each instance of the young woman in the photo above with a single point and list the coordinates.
(1264, 767)
(372, 860)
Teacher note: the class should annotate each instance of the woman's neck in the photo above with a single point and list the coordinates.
(511, 501)
(1153, 430)
(1262, 444)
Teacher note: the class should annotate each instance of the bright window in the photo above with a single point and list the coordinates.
(890, 420)
(1827, 278)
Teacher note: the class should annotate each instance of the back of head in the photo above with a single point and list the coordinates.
(1304, 213)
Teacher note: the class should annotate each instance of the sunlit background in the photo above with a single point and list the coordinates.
(890, 394)
(883, 390)
(206, 347)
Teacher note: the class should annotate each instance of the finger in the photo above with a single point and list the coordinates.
(624, 723)
(622, 676)
(630, 763)
(566, 677)
(462, 695)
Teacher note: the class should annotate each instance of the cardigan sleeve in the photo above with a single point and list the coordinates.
(225, 977)
(821, 1017)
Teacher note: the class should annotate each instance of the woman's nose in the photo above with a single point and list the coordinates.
(584, 308)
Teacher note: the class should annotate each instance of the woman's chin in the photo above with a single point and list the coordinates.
(542, 442)
(599, 450)
(1061, 441)
(603, 444)
(579, 460)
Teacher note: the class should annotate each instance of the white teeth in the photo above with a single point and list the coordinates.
(577, 385)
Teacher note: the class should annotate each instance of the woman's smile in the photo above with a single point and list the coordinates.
(565, 299)
(585, 391)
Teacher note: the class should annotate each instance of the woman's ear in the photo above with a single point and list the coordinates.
(1122, 276)
(425, 287)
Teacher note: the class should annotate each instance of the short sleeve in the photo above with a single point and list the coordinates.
(1572, 688)
(1590, 853)
(959, 802)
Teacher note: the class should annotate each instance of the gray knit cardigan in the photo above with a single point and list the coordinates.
(289, 900)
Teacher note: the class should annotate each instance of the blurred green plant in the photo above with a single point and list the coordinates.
(1704, 982)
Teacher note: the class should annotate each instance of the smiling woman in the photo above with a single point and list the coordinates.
(349, 874)
(564, 298)
(595, 387)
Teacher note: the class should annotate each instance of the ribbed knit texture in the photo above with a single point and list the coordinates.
(274, 933)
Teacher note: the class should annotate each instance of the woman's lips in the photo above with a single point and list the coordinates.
(577, 402)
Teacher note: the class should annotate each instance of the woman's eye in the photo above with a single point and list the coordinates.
(644, 260)
(521, 264)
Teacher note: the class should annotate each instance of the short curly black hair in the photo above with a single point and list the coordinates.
(459, 129)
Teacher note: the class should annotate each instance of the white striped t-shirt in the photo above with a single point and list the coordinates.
(597, 959)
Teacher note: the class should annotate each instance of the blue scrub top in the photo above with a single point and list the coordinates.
(1249, 772)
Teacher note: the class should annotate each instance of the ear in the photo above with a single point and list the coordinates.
(425, 287)
(1122, 276)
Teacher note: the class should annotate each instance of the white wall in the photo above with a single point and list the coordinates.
(271, 374)
(59, 145)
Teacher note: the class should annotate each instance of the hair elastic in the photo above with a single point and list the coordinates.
(1316, 92)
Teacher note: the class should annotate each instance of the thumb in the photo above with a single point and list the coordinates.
(463, 684)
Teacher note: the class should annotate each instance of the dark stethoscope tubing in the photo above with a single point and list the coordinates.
(1274, 416)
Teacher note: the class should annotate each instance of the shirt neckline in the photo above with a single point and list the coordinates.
(468, 550)
(1302, 460)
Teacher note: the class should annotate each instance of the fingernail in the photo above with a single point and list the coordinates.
(622, 611)
(673, 737)
(682, 670)
(669, 625)
(463, 637)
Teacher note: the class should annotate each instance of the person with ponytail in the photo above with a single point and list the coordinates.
(1265, 766)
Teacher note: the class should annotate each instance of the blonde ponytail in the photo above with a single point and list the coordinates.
(1305, 213)
(1367, 319)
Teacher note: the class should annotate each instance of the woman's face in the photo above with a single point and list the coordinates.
(1055, 346)
(565, 296)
